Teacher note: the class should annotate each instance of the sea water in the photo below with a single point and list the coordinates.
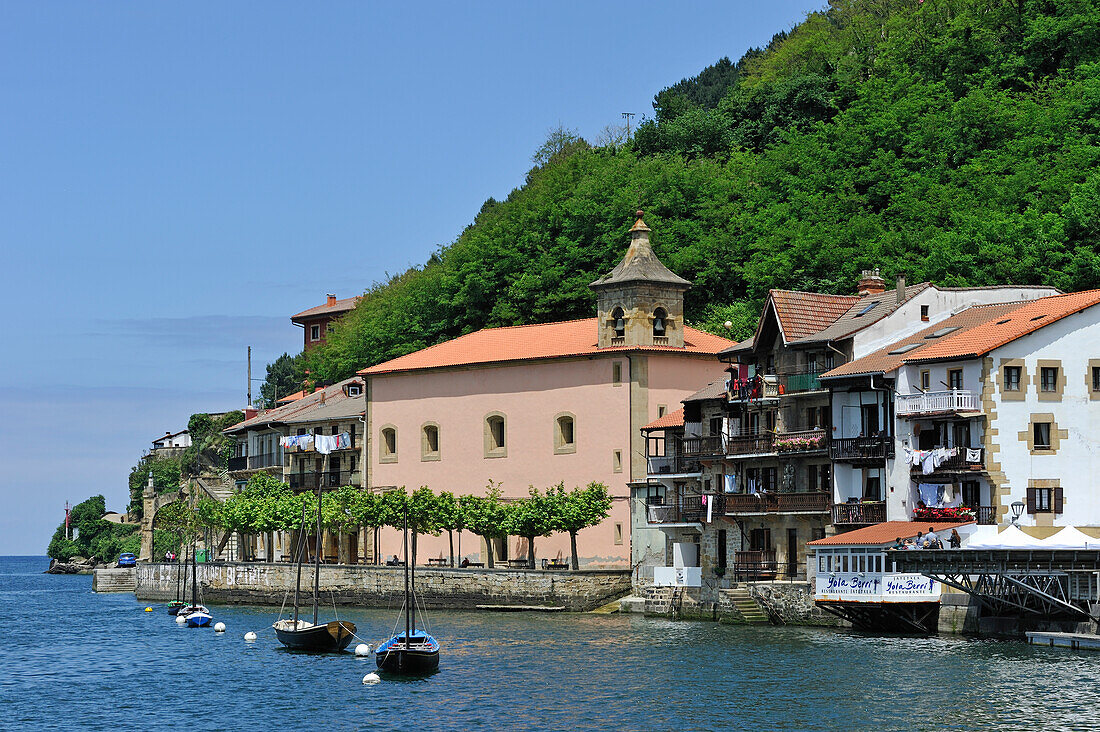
(74, 659)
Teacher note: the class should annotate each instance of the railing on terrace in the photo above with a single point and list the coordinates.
(856, 449)
(859, 513)
(811, 502)
(794, 383)
(802, 441)
(960, 461)
(741, 390)
(755, 565)
(986, 515)
(239, 462)
(672, 464)
(750, 444)
(932, 402)
(709, 445)
(685, 509)
(266, 460)
(660, 340)
(327, 479)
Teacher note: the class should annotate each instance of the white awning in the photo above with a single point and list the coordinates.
(1071, 538)
(1010, 538)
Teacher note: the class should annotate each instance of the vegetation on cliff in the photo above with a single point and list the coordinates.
(92, 537)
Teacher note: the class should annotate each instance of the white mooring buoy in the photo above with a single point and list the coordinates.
(180, 620)
(250, 636)
(363, 649)
(371, 678)
(219, 627)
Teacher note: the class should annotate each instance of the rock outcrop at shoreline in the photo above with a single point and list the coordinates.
(76, 565)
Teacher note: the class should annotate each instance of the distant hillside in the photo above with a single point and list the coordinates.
(952, 140)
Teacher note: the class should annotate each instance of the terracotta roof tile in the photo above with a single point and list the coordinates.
(672, 419)
(713, 390)
(330, 403)
(804, 313)
(528, 342)
(340, 306)
(860, 315)
(886, 533)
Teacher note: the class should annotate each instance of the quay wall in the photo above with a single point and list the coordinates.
(783, 602)
(252, 583)
(120, 579)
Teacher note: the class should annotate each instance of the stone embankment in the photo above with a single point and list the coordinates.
(121, 579)
(371, 586)
(781, 603)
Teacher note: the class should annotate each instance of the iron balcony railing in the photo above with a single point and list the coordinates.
(685, 509)
(755, 565)
(239, 462)
(858, 449)
(672, 465)
(859, 513)
(786, 442)
(959, 461)
(934, 402)
(266, 460)
(811, 502)
(747, 390)
(795, 383)
(327, 479)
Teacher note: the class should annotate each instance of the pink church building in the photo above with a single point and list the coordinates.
(541, 404)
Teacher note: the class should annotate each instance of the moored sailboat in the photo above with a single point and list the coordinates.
(174, 606)
(196, 614)
(302, 635)
(414, 651)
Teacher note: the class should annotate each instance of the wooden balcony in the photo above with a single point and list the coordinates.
(937, 402)
(698, 446)
(764, 443)
(862, 449)
(753, 503)
(749, 390)
(750, 444)
(672, 465)
(958, 462)
(755, 565)
(795, 383)
(849, 514)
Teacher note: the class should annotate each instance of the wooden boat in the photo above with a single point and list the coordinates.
(413, 652)
(196, 614)
(301, 635)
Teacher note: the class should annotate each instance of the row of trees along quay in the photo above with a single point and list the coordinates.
(267, 504)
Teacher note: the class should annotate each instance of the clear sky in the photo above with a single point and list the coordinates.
(176, 180)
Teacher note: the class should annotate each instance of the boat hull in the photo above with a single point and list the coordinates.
(174, 607)
(198, 620)
(330, 637)
(419, 657)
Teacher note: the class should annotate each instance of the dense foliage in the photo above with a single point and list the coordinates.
(951, 140)
(92, 536)
(284, 377)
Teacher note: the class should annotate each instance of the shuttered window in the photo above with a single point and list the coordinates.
(1044, 500)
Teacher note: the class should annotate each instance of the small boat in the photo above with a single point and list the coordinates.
(301, 635)
(413, 652)
(196, 614)
(178, 604)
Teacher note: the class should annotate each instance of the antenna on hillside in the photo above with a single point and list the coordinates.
(628, 116)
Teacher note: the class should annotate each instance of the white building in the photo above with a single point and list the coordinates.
(993, 406)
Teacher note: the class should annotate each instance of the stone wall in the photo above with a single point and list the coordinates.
(372, 586)
(791, 603)
(113, 579)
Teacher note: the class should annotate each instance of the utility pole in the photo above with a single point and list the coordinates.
(628, 116)
(250, 376)
(68, 508)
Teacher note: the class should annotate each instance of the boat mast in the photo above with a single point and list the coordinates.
(317, 558)
(298, 579)
(405, 548)
(194, 575)
(179, 574)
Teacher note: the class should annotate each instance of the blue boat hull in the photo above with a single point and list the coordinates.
(419, 656)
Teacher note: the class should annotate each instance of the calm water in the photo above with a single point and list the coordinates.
(76, 660)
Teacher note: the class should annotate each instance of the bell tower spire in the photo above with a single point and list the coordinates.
(641, 301)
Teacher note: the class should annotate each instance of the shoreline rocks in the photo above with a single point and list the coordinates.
(76, 565)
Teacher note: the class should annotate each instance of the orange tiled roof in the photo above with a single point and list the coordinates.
(340, 306)
(886, 533)
(672, 419)
(529, 342)
(804, 313)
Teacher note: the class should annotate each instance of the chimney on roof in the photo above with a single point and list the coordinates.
(250, 412)
(901, 289)
(331, 299)
(871, 283)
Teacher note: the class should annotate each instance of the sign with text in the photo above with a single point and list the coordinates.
(874, 587)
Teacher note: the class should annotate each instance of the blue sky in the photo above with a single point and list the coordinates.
(178, 179)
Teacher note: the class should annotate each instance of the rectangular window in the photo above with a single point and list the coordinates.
(971, 495)
(1042, 500)
(811, 477)
(924, 313)
(925, 380)
(825, 478)
(315, 332)
(771, 479)
(722, 548)
(617, 373)
(715, 425)
(617, 461)
(618, 533)
(1042, 435)
(1048, 378)
(955, 379)
(1012, 378)
(1096, 378)
(828, 361)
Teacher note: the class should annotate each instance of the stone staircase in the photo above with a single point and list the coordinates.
(120, 579)
(746, 606)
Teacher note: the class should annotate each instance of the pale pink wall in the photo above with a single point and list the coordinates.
(530, 395)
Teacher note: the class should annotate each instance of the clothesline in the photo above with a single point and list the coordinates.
(324, 444)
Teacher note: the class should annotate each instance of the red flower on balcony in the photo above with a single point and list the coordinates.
(958, 514)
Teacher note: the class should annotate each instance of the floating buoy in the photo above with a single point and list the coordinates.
(219, 627)
(371, 678)
(148, 609)
(363, 649)
(250, 636)
(180, 620)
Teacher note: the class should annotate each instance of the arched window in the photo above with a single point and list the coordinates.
(564, 435)
(495, 435)
(660, 318)
(387, 447)
(619, 322)
(429, 441)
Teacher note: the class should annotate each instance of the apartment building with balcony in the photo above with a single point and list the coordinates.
(992, 406)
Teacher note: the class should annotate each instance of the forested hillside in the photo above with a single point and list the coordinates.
(952, 140)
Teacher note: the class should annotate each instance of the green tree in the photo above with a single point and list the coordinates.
(486, 516)
(578, 509)
(284, 377)
(530, 518)
(450, 518)
(92, 536)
